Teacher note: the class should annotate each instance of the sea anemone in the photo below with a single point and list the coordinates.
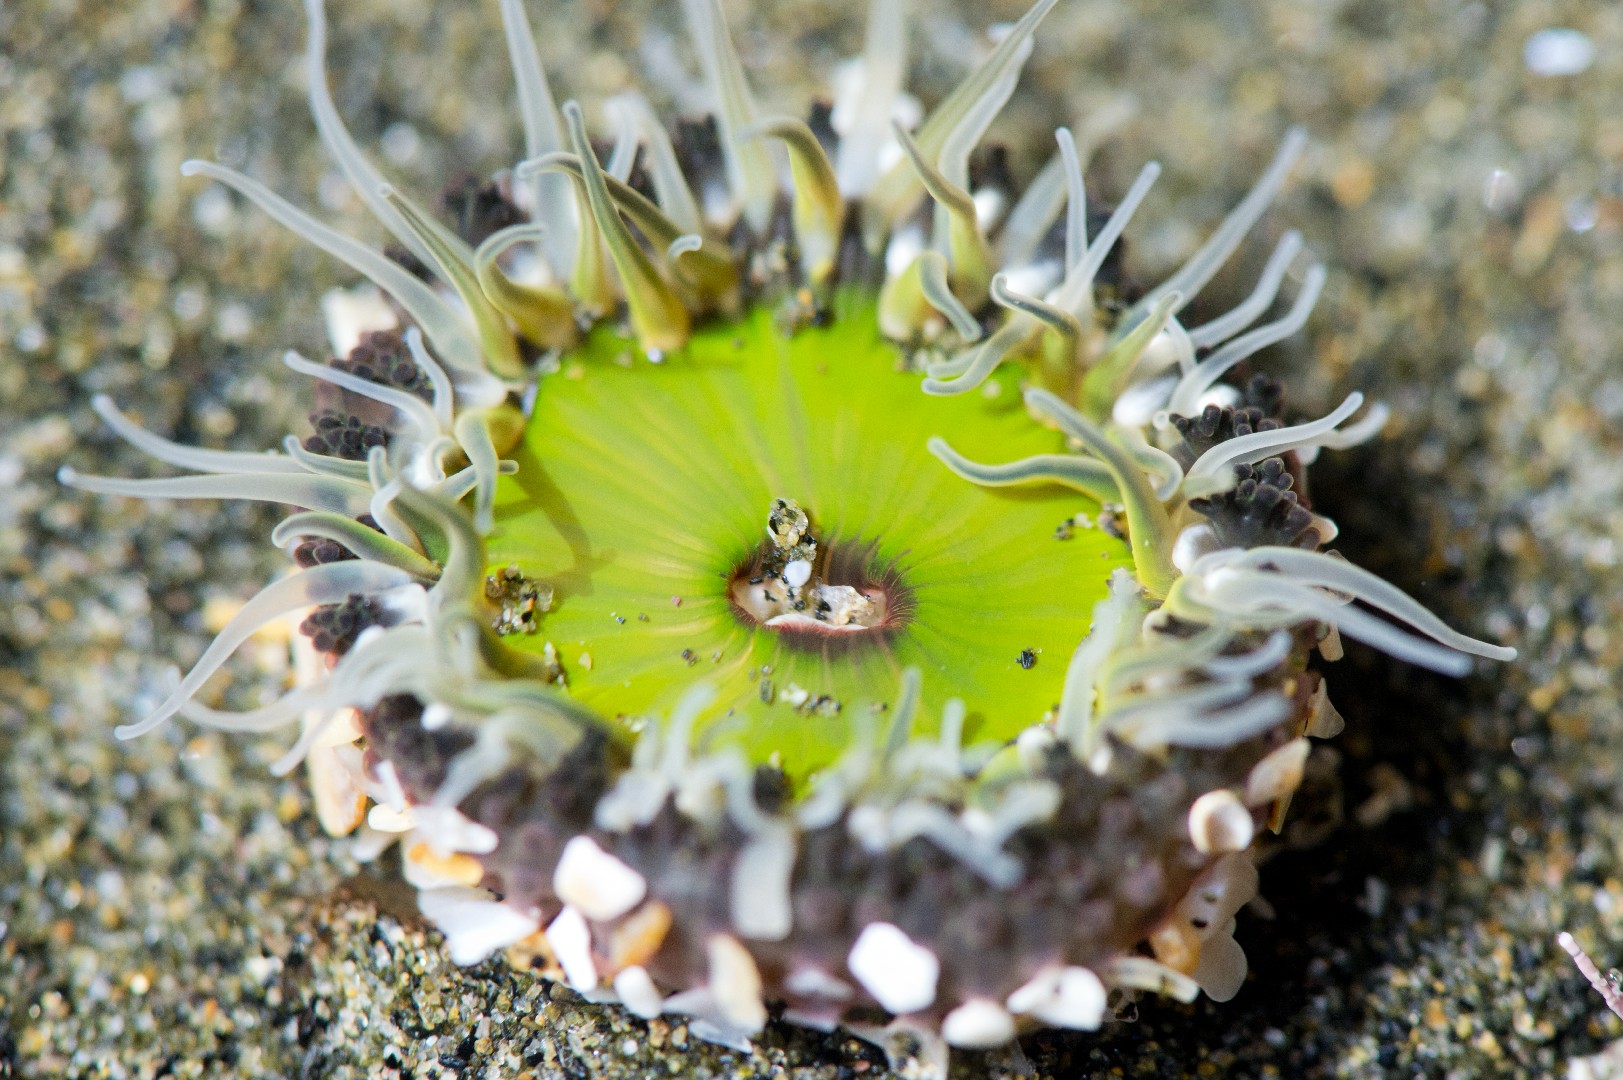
(777, 565)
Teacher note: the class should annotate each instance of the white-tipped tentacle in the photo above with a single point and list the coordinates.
(386, 488)
(933, 282)
(188, 457)
(1251, 308)
(1186, 398)
(450, 331)
(365, 180)
(750, 172)
(1204, 263)
(1245, 449)
(438, 378)
(982, 359)
(1032, 214)
(1075, 293)
(1353, 434)
(318, 585)
(410, 406)
(859, 159)
(307, 491)
(1328, 572)
(552, 200)
(671, 189)
(324, 464)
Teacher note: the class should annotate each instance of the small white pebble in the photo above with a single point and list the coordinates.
(977, 1024)
(735, 982)
(1558, 50)
(595, 882)
(1069, 997)
(797, 573)
(1220, 823)
(637, 992)
(900, 973)
(474, 923)
(571, 942)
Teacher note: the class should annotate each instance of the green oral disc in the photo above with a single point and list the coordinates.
(643, 495)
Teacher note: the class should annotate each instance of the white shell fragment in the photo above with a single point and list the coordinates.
(1210, 906)
(474, 923)
(978, 1023)
(570, 940)
(1324, 721)
(596, 883)
(1142, 973)
(1278, 774)
(447, 830)
(735, 983)
(1220, 823)
(1068, 997)
(797, 573)
(638, 993)
(900, 973)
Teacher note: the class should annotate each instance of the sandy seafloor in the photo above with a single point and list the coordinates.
(169, 909)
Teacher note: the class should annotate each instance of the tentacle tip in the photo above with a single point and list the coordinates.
(126, 732)
(192, 166)
(67, 476)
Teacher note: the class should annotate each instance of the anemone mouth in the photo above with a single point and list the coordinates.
(837, 596)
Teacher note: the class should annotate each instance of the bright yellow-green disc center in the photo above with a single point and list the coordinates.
(643, 487)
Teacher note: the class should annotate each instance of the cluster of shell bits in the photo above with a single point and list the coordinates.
(916, 894)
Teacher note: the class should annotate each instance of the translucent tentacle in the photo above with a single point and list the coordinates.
(1072, 470)
(897, 192)
(552, 199)
(1149, 527)
(363, 178)
(413, 408)
(659, 317)
(819, 211)
(1210, 466)
(1075, 293)
(983, 360)
(324, 464)
(542, 313)
(319, 585)
(1186, 396)
(1325, 571)
(1060, 321)
(933, 280)
(749, 168)
(1251, 308)
(961, 238)
(366, 543)
(443, 325)
(500, 351)
(1194, 274)
(884, 61)
(187, 457)
(302, 490)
